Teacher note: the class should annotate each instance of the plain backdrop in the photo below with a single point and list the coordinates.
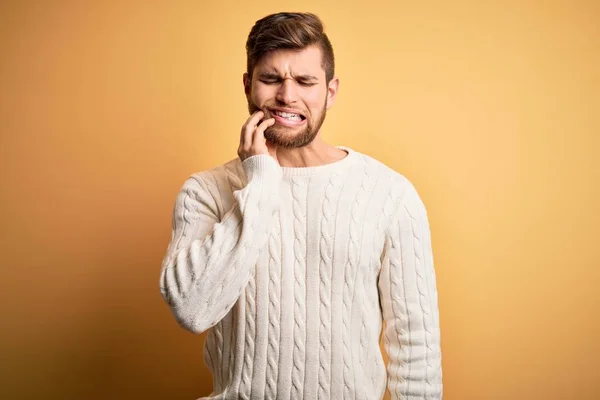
(490, 108)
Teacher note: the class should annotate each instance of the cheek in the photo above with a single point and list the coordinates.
(254, 97)
(257, 94)
(316, 103)
(315, 99)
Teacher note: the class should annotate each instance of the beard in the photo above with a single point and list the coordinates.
(280, 135)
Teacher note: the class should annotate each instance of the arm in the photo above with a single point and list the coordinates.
(208, 262)
(407, 286)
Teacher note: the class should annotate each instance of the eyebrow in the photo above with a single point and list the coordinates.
(272, 75)
(306, 77)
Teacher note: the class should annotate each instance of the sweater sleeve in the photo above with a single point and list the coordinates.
(407, 286)
(208, 262)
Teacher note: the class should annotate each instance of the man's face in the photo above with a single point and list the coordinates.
(289, 85)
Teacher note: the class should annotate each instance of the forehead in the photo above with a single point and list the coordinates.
(292, 62)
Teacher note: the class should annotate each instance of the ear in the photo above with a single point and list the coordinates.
(332, 90)
(247, 84)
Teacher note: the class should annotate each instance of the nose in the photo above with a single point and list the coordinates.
(286, 92)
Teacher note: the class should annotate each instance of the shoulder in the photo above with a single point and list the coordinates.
(209, 186)
(397, 186)
(229, 174)
(403, 202)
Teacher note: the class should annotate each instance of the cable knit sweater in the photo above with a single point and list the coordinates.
(294, 272)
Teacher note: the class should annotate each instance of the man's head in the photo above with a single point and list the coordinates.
(290, 76)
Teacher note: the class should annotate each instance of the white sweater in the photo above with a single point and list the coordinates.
(294, 270)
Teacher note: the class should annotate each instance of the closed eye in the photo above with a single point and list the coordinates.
(269, 82)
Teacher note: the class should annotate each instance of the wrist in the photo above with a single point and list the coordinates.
(262, 166)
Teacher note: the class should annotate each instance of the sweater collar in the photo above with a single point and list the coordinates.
(326, 169)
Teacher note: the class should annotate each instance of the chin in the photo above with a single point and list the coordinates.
(287, 138)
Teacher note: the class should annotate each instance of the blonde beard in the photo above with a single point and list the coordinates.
(303, 138)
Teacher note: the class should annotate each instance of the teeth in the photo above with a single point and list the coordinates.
(290, 116)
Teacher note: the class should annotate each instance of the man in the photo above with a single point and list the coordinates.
(295, 253)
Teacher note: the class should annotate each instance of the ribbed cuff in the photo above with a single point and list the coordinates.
(262, 166)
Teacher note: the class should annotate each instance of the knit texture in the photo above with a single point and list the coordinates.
(296, 272)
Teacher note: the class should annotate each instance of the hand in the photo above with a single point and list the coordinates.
(252, 139)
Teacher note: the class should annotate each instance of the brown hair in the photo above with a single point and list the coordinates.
(289, 31)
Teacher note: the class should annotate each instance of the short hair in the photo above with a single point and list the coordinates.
(286, 30)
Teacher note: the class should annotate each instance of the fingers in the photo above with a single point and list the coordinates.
(249, 126)
(259, 132)
(247, 132)
(252, 138)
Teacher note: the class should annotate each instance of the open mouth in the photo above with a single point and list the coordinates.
(288, 115)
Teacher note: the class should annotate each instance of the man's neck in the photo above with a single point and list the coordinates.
(316, 153)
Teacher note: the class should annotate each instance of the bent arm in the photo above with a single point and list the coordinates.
(208, 262)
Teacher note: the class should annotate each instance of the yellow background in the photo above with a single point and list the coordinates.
(490, 108)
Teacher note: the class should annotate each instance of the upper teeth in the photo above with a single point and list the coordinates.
(287, 115)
